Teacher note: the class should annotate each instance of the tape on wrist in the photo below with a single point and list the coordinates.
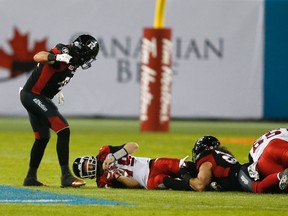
(119, 154)
(51, 57)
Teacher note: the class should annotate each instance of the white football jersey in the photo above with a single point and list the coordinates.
(136, 167)
(261, 143)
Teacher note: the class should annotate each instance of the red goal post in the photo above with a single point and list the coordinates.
(156, 75)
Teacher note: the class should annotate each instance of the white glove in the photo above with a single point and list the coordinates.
(63, 58)
(60, 97)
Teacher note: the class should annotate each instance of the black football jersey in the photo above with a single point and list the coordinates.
(49, 79)
(224, 168)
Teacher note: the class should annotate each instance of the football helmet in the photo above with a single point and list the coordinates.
(84, 50)
(204, 143)
(85, 167)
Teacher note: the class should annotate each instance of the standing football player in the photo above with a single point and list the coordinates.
(54, 70)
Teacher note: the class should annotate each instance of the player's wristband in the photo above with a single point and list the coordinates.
(51, 57)
(119, 154)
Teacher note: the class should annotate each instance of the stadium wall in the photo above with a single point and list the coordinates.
(276, 60)
(226, 64)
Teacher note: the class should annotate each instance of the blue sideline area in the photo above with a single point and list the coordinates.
(28, 196)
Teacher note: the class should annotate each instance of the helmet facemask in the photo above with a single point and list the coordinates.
(85, 167)
(86, 60)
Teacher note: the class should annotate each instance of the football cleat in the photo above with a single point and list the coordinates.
(70, 181)
(283, 183)
(78, 183)
(31, 181)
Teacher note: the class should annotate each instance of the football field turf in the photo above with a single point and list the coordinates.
(88, 135)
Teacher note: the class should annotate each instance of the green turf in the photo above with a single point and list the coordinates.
(88, 135)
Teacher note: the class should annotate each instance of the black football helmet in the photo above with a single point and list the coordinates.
(85, 167)
(204, 143)
(84, 50)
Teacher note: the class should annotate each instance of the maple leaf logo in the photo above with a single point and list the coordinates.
(20, 61)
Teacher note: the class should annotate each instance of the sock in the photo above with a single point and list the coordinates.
(267, 183)
(36, 156)
(62, 146)
(32, 173)
(65, 170)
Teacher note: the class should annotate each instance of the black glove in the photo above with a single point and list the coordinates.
(176, 184)
(185, 174)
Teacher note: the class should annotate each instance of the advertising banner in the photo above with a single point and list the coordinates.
(217, 55)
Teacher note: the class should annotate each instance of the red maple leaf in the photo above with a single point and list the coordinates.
(20, 61)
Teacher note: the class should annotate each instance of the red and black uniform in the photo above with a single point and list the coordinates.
(44, 83)
(269, 152)
(224, 169)
(101, 179)
(229, 175)
(149, 173)
(49, 79)
(36, 96)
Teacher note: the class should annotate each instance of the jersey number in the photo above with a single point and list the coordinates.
(63, 83)
(227, 157)
(268, 135)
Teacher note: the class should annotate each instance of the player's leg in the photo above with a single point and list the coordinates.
(168, 166)
(60, 125)
(276, 182)
(33, 105)
(48, 115)
(274, 158)
(268, 184)
(161, 168)
(42, 136)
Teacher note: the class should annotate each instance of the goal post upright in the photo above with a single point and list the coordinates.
(159, 14)
(156, 74)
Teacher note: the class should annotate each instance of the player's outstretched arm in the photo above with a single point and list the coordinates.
(128, 148)
(203, 179)
(131, 147)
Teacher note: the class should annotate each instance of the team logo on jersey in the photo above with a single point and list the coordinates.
(20, 60)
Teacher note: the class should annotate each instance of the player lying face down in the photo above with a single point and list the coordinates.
(218, 169)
